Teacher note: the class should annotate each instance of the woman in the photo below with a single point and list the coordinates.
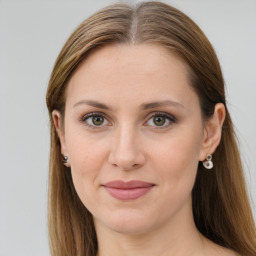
(144, 159)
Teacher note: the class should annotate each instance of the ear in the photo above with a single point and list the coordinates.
(57, 119)
(213, 131)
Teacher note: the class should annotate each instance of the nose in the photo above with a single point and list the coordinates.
(126, 150)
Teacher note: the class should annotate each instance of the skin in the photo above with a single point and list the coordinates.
(127, 144)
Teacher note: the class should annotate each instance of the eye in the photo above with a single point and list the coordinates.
(94, 120)
(161, 120)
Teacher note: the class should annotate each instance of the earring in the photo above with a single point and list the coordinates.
(208, 164)
(65, 159)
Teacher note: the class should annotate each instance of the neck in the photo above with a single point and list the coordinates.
(179, 237)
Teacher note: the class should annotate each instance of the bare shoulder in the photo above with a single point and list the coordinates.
(217, 250)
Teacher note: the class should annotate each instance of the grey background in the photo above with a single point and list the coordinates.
(31, 35)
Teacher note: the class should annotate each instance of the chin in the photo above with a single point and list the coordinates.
(129, 223)
(130, 228)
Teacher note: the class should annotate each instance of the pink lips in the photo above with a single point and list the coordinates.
(128, 190)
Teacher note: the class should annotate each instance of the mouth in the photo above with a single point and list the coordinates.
(130, 190)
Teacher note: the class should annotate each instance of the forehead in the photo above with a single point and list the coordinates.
(148, 57)
(130, 72)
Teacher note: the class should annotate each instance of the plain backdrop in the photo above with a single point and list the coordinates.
(31, 36)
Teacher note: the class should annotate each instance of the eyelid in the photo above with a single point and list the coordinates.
(171, 118)
(92, 114)
(159, 113)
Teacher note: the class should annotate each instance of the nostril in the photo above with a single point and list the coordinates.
(132, 167)
(127, 163)
(125, 152)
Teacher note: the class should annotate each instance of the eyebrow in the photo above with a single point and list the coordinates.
(92, 103)
(143, 106)
(156, 104)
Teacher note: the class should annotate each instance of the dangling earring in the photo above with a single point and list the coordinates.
(208, 164)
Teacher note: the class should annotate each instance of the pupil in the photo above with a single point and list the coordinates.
(159, 120)
(97, 120)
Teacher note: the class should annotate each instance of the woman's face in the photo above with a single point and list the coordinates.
(133, 136)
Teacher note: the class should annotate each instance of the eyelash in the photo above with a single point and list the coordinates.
(168, 117)
(94, 114)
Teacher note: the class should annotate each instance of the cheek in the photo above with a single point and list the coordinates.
(177, 160)
(85, 150)
(180, 149)
(87, 156)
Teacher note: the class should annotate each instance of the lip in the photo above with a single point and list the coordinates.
(130, 190)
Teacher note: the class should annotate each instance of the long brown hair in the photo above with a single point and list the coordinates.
(221, 207)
